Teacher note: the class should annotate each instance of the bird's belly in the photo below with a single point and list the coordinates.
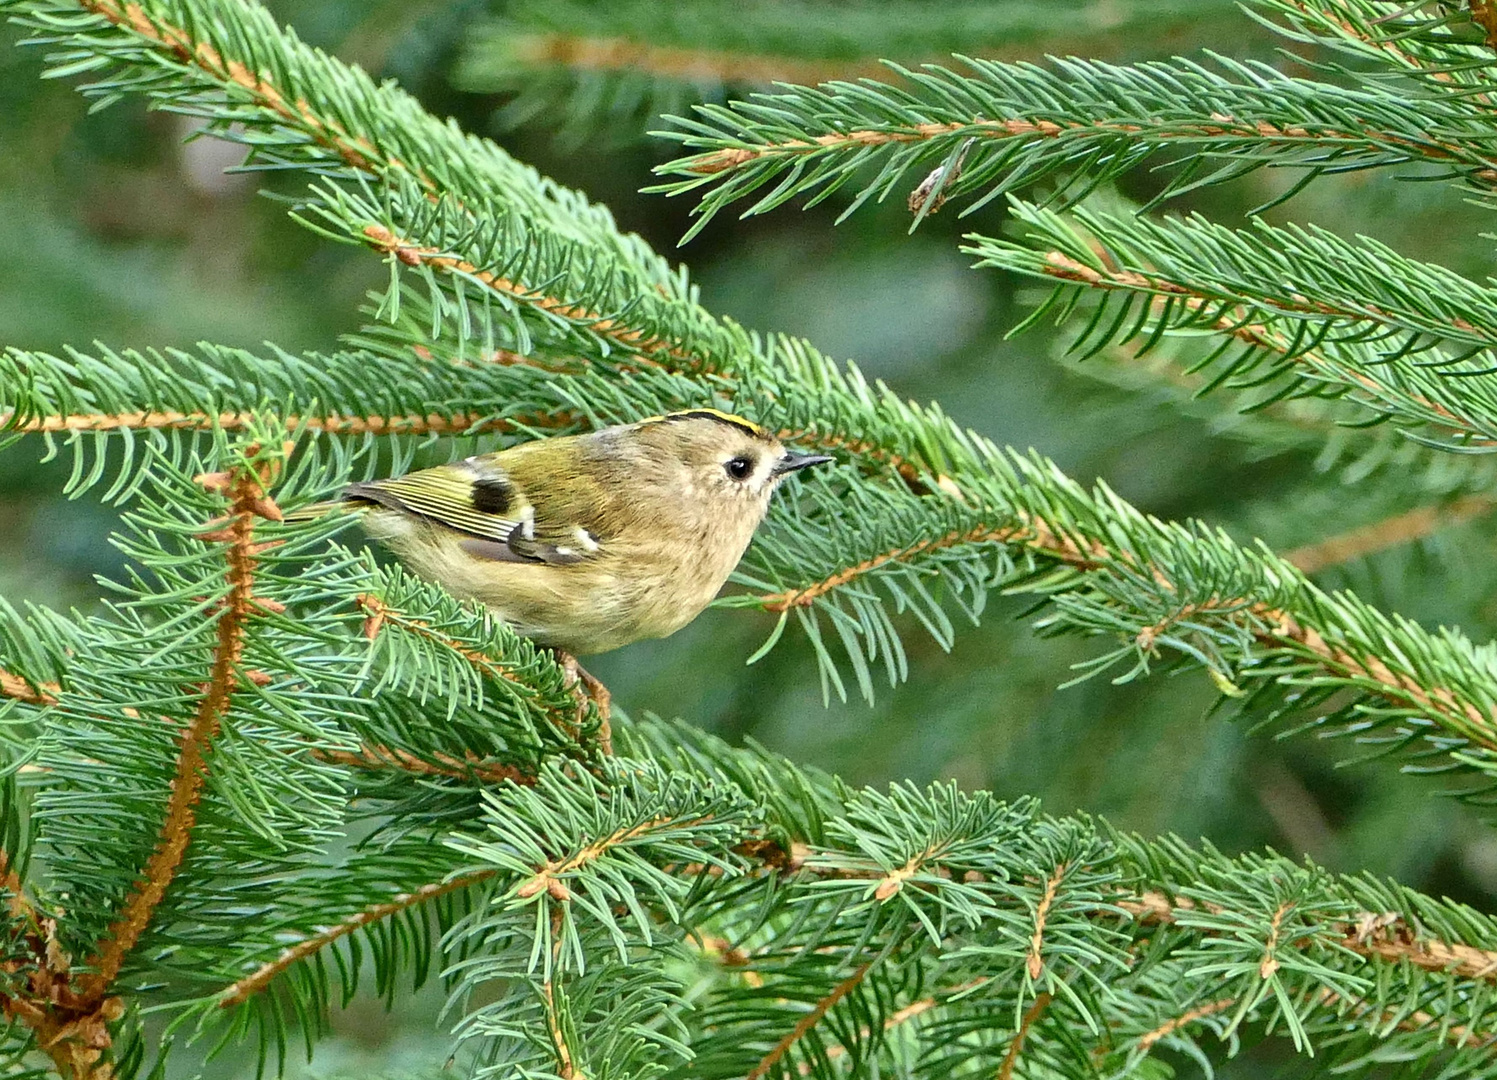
(583, 608)
(592, 610)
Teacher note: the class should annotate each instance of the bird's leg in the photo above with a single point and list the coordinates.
(586, 687)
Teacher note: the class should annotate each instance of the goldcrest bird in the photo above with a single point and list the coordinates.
(588, 542)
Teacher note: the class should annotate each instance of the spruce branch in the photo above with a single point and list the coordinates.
(1283, 630)
(417, 257)
(71, 1013)
(1068, 949)
(870, 625)
(246, 489)
(378, 156)
(1402, 350)
(581, 718)
(431, 424)
(1031, 1014)
(984, 506)
(1147, 1040)
(1434, 46)
(808, 1021)
(469, 767)
(168, 395)
(809, 594)
(607, 71)
(1296, 934)
(1235, 397)
(259, 979)
(1032, 123)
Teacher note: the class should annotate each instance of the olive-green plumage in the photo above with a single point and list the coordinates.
(589, 542)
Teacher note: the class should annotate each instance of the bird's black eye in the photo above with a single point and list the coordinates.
(739, 468)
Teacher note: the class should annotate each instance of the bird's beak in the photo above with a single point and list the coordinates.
(794, 461)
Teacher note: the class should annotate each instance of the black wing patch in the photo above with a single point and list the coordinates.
(492, 495)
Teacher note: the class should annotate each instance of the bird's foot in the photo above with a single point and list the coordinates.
(587, 688)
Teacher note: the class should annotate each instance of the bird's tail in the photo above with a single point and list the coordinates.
(312, 511)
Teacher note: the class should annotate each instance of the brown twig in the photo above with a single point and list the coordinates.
(1270, 962)
(1033, 533)
(1190, 1016)
(468, 767)
(382, 614)
(548, 876)
(807, 1022)
(1484, 15)
(333, 424)
(1035, 963)
(415, 255)
(20, 689)
(1010, 1059)
(565, 1069)
(674, 62)
(1383, 936)
(1391, 532)
(894, 880)
(262, 976)
(1064, 268)
(1219, 125)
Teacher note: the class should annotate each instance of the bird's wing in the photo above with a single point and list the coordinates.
(478, 498)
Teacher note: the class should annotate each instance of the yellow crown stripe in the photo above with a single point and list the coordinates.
(746, 426)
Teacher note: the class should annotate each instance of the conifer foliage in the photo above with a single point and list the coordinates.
(269, 767)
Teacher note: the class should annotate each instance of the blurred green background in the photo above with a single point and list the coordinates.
(113, 230)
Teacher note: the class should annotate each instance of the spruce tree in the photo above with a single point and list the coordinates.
(270, 766)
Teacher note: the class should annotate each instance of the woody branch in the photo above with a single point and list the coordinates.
(1275, 627)
(70, 1012)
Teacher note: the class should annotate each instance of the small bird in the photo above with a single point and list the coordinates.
(588, 542)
